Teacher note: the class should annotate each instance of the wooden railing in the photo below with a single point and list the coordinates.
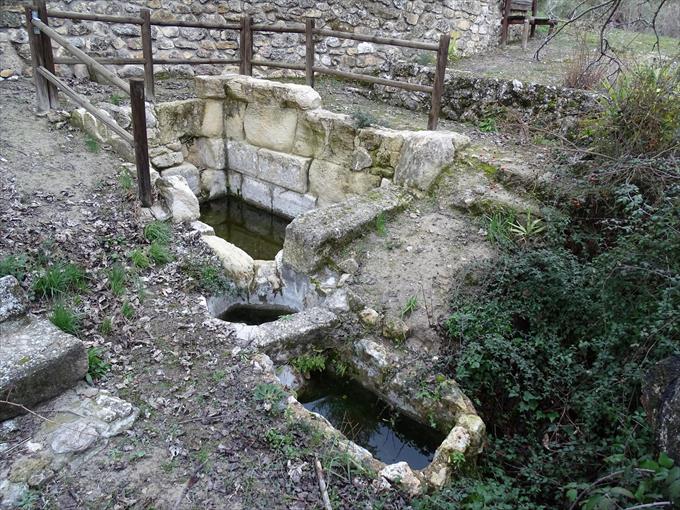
(47, 84)
(246, 29)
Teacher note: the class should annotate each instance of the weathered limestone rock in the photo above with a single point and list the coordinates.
(291, 204)
(13, 301)
(211, 153)
(37, 362)
(189, 172)
(661, 400)
(424, 155)
(400, 473)
(234, 114)
(313, 236)
(167, 159)
(285, 170)
(327, 136)
(202, 228)
(395, 329)
(369, 317)
(213, 121)
(210, 87)
(213, 183)
(256, 192)
(179, 118)
(328, 182)
(284, 95)
(242, 157)
(237, 263)
(179, 199)
(270, 127)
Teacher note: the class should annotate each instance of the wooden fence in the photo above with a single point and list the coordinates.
(40, 37)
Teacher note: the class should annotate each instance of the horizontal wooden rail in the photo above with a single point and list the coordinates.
(416, 87)
(278, 64)
(195, 24)
(102, 60)
(377, 39)
(290, 29)
(127, 20)
(84, 57)
(86, 104)
(196, 61)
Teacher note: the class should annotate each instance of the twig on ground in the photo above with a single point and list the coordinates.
(190, 483)
(322, 484)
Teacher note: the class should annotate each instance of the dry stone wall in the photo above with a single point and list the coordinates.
(474, 25)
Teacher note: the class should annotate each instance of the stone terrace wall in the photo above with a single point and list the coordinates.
(472, 98)
(474, 25)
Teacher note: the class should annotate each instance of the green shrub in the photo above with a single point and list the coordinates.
(554, 348)
(65, 319)
(641, 115)
(59, 278)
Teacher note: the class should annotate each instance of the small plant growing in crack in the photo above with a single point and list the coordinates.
(306, 364)
(270, 395)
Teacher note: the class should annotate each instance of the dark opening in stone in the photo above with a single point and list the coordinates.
(258, 232)
(369, 422)
(255, 314)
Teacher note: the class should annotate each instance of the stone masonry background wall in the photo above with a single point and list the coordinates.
(474, 26)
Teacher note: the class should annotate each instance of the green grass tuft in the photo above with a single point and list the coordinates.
(92, 144)
(140, 259)
(97, 367)
(160, 253)
(14, 265)
(58, 279)
(158, 231)
(65, 319)
(117, 279)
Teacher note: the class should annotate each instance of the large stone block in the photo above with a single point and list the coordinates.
(179, 118)
(37, 362)
(237, 264)
(189, 172)
(234, 182)
(284, 170)
(270, 127)
(326, 135)
(242, 157)
(213, 122)
(210, 153)
(291, 204)
(210, 87)
(179, 199)
(285, 95)
(256, 192)
(328, 182)
(313, 237)
(234, 114)
(424, 155)
(167, 159)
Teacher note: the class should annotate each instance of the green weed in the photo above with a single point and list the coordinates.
(125, 180)
(381, 224)
(210, 278)
(363, 119)
(127, 310)
(409, 307)
(97, 367)
(65, 319)
(529, 229)
(106, 326)
(488, 125)
(140, 259)
(160, 253)
(117, 278)
(271, 395)
(158, 231)
(58, 279)
(306, 364)
(116, 99)
(14, 265)
(498, 227)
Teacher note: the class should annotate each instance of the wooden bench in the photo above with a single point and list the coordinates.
(522, 12)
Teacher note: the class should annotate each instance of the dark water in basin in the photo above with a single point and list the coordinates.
(368, 421)
(255, 315)
(257, 232)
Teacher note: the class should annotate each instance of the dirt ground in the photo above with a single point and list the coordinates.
(201, 438)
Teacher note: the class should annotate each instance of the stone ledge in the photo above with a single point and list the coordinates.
(37, 362)
(313, 236)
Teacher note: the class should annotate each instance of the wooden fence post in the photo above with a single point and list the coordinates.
(45, 47)
(41, 84)
(140, 141)
(439, 75)
(309, 53)
(147, 53)
(246, 46)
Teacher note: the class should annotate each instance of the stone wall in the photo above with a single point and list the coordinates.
(474, 25)
(472, 98)
(273, 144)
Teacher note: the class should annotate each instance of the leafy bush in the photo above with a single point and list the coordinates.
(554, 349)
(642, 114)
(308, 363)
